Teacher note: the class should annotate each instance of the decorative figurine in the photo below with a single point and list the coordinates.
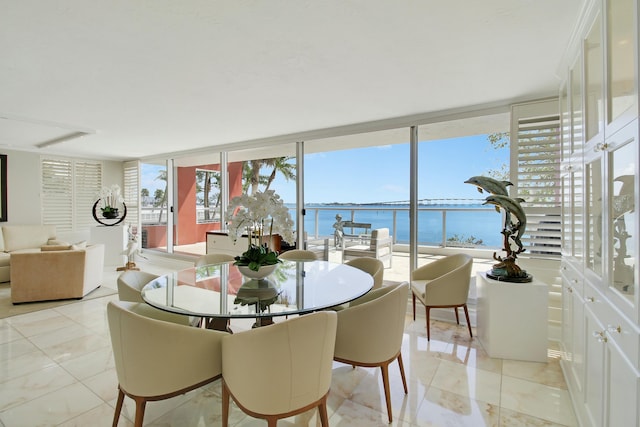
(515, 222)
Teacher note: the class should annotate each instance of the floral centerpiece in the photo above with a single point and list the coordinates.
(110, 198)
(260, 215)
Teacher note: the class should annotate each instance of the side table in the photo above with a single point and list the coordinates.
(512, 319)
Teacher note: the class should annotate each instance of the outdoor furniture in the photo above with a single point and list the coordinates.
(281, 370)
(370, 333)
(443, 283)
(379, 245)
(156, 360)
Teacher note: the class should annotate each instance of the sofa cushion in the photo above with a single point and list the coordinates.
(18, 237)
(46, 248)
(4, 259)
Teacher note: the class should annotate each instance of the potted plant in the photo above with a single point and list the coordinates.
(111, 198)
(252, 214)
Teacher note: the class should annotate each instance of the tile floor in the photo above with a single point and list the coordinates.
(56, 369)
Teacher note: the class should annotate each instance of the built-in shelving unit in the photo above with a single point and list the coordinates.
(601, 305)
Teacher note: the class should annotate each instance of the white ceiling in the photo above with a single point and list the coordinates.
(148, 77)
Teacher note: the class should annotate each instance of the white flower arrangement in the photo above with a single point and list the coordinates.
(260, 214)
(111, 197)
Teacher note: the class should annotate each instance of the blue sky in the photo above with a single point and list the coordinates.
(381, 174)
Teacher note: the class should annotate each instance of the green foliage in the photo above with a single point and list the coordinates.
(499, 140)
(457, 240)
(257, 256)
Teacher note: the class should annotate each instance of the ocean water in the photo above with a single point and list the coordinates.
(477, 222)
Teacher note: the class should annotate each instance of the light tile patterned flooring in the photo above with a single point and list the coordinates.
(56, 368)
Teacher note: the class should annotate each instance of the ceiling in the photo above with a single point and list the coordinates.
(137, 79)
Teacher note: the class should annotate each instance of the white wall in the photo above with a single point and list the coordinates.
(23, 185)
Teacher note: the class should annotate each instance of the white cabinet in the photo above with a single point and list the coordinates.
(601, 303)
(220, 242)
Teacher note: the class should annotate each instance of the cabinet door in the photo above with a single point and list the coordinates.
(624, 386)
(577, 212)
(594, 384)
(621, 71)
(594, 80)
(577, 121)
(593, 180)
(573, 329)
(622, 153)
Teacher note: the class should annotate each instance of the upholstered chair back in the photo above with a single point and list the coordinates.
(373, 266)
(155, 358)
(131, 282)
(277, 369)
(299, 255)
(371, 329)
(446, 280)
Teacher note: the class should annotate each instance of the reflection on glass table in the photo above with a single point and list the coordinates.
(218, 292)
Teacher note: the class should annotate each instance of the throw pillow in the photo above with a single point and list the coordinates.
(57, 242)
(79, 245)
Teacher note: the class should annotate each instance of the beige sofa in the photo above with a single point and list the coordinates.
(22, 238)
(56, 274)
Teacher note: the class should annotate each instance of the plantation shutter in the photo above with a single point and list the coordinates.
(57, 194)
(87, 183)
(69, 190)
(131, 193)
(535, 174)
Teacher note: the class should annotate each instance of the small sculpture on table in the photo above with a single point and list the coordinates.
(130, 251)
(339, 233)
(515, 222)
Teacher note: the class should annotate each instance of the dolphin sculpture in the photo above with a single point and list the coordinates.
(489, 185)
(513, 209)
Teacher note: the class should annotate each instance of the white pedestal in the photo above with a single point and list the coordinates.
(512, 319)
(115, 239)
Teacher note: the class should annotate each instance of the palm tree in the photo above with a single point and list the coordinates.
(286, 169)
(163, 201)
(251, 172)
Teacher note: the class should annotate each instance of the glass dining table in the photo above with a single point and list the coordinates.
(218, 293)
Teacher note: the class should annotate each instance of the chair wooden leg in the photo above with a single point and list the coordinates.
(428, 332)
(413, 298)
(116, 415)
(387, 393)
(140, 405)
(404, 379)
(322, 411)
(225, 405)
(457, 316)
(466, 313)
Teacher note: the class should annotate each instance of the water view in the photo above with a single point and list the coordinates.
(477, 225)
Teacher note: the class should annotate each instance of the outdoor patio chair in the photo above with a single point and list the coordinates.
(380, 246)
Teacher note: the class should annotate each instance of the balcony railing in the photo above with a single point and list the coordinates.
(470, 227)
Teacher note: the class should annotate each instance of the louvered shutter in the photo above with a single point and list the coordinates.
(57, 193)
(87, 180)
(131, 193)
(69, 190)
(535, 173)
